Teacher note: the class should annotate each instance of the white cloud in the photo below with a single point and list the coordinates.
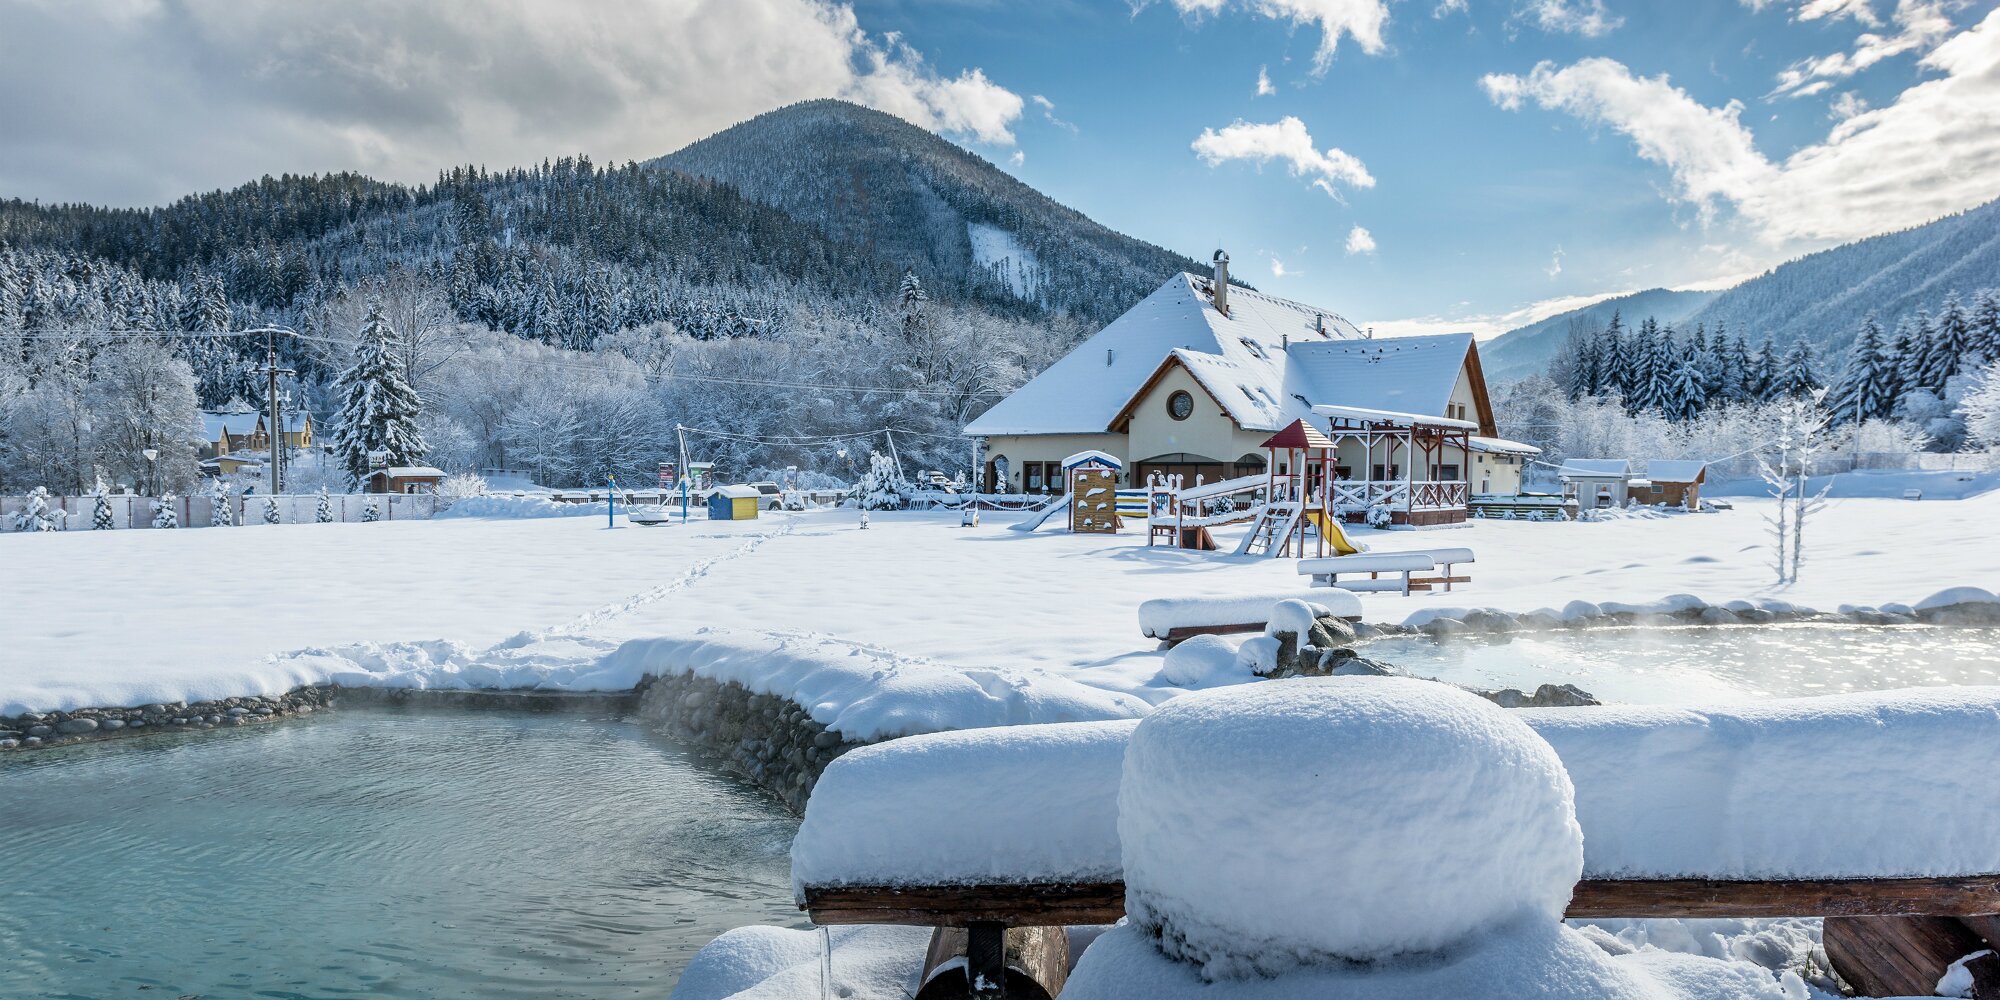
(1285, 139)
(1555, 263)
(1588, 18)
(1361, 20)
(159, 99)
(1360, 240)
(1931, 152)
(1278, 269)
(1264, 88)
(1846, 106)
(1486, 326)
(1448, 7)
(1862, 11)
(1048, 109)
(1015, 159)
(1920, 26)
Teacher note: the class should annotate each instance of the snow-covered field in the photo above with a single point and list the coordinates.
(127, 617)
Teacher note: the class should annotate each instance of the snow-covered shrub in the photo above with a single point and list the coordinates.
(35, 515)
(1455, 818)
(371, 511)
(1380, 516)
(270, 510)
(101, 517)
(323, 511)
(1204, 661)
(1980, 406)
(458, 487)
(164, 514)
(881, 487)
(219, 513)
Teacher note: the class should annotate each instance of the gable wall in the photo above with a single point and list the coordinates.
(1209, 432)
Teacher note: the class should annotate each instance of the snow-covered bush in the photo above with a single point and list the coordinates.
(101, 517)
(164, 514)
(1380, 516)
(270, 510)
(881, 487)
(371, 511)
(1980, 407)
(35, 515)
(219, 513)
(1204, 661)
(1454, 819)
(458, 487)
(323, 510)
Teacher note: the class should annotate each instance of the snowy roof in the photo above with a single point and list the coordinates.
(1239, 358)
(1503, 446)
(1616, 468)
(1092, 456)
(1395, 374)
(1675, 470)
(1366, 415)
(237, 424)
(409, 471)
(737, 492)
(1299, 434)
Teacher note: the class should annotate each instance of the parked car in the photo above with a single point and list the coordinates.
(774, 497)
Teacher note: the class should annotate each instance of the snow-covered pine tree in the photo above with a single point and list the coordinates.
(379, 409)
(164, 514)
(323, 511)
(371, 511)
(1859, 396)
(1760, 379)
(270, 509)
(219, 514)
(101, 518)
(1798, 376)
(1949, 345)
(1903, 359)
(1980, 406)
(880, 487)
(1614, 359)
(1735, 371)
(1686, 394)
(1985, 326)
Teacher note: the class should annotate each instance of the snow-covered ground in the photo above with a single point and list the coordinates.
(127, 617)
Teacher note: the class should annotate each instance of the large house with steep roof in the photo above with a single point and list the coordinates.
(1195, 378)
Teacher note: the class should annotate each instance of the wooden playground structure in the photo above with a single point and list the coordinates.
(1291, 506)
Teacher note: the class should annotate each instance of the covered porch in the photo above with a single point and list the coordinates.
(1413, 465)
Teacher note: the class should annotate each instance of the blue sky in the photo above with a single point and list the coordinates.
(1413, 164)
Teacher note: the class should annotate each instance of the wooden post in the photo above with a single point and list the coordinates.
(1895, 956)
(1026, 963)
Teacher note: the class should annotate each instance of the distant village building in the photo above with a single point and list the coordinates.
(1596, 482)
(225, 431)
(1674, 482)
(1194, 379)
(404, 479)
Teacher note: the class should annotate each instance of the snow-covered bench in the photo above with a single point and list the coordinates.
(1176, 619)
(1400, 566)
(1685, 812)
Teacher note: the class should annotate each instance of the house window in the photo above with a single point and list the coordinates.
(1447, 473)
(1180, 405)
(1033, 470)
(1657, 488)
(1383, 473)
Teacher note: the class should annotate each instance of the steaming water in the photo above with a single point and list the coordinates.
(1725, 663)
(378, 854)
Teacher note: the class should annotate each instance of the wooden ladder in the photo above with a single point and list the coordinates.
(1272, 526)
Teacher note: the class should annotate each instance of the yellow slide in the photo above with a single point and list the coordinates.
(1329, 529)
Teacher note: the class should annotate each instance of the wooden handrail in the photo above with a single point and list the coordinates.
(1051, 904)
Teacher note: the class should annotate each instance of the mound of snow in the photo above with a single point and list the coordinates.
(904, 812)
(1957, 595)
(1525, 959)
(1204, 661)
(1311, 821)
(771, 963)
(517, 506)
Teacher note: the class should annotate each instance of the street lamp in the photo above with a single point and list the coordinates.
(152, 473)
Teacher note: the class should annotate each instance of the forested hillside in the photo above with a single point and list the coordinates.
(564, 317)
(1526, 350)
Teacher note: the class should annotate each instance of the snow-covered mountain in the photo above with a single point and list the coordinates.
(896, 192)
(1821, 298)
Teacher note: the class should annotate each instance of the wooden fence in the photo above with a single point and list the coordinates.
(197, 511)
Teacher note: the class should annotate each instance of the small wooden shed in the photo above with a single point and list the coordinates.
(405, 479)
(1675, 483)
(734, 503)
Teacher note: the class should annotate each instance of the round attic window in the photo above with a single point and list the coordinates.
(1180, 405)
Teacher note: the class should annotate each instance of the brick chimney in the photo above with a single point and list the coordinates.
(1221, 293)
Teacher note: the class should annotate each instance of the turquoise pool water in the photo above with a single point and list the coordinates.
(1723, 663)
(378, 854)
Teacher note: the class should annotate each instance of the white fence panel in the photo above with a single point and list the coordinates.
(198, 510)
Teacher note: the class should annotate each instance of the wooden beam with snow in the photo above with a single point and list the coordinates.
(1043, 904)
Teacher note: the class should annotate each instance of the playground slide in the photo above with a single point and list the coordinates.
(1033, 521)
(1330, 529)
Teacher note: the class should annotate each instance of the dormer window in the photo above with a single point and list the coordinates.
(1254, 349)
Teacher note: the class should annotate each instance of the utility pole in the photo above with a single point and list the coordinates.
(277, 427)
(681, 433)
(900, 474)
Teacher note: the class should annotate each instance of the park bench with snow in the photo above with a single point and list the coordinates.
(1684, 811)
(1177, 619)
(1399, 567)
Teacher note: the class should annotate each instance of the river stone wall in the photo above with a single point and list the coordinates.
(45, 729)
(771, 740)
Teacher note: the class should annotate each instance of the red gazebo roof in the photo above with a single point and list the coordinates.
(1300, 435)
